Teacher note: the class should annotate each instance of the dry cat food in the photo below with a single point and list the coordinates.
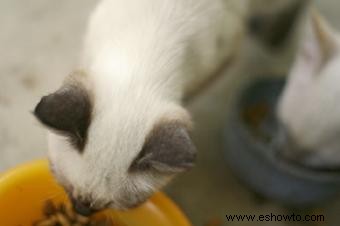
(254, 115)
(64, 215)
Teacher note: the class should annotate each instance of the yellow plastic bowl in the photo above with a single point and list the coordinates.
(24, 190)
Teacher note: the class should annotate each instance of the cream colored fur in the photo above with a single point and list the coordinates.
(141, 57)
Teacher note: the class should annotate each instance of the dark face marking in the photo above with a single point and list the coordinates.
(67, 111)
(168, 149)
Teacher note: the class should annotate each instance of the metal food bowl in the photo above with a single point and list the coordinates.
(250, 133)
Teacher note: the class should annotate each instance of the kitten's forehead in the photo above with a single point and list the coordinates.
(118, 131)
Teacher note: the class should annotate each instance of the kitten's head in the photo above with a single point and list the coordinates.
(114, 151)
(310, 104)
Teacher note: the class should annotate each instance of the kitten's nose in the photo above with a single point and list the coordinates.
(82, 207)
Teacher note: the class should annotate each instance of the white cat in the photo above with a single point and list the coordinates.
(310, 104)
(118, 131)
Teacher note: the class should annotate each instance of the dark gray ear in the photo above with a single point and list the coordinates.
(168, 149)
(67, 111)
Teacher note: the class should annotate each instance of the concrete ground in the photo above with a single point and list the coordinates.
(39, 45)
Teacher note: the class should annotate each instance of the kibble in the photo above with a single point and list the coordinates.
(64, 215)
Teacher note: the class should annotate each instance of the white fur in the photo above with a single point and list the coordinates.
(310, 104)
(141, 57)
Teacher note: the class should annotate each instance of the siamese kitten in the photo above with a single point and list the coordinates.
(309, 108)
(118, 130)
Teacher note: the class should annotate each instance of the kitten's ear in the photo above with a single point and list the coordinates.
(320, 41)
(67, 111)
(168, 149)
